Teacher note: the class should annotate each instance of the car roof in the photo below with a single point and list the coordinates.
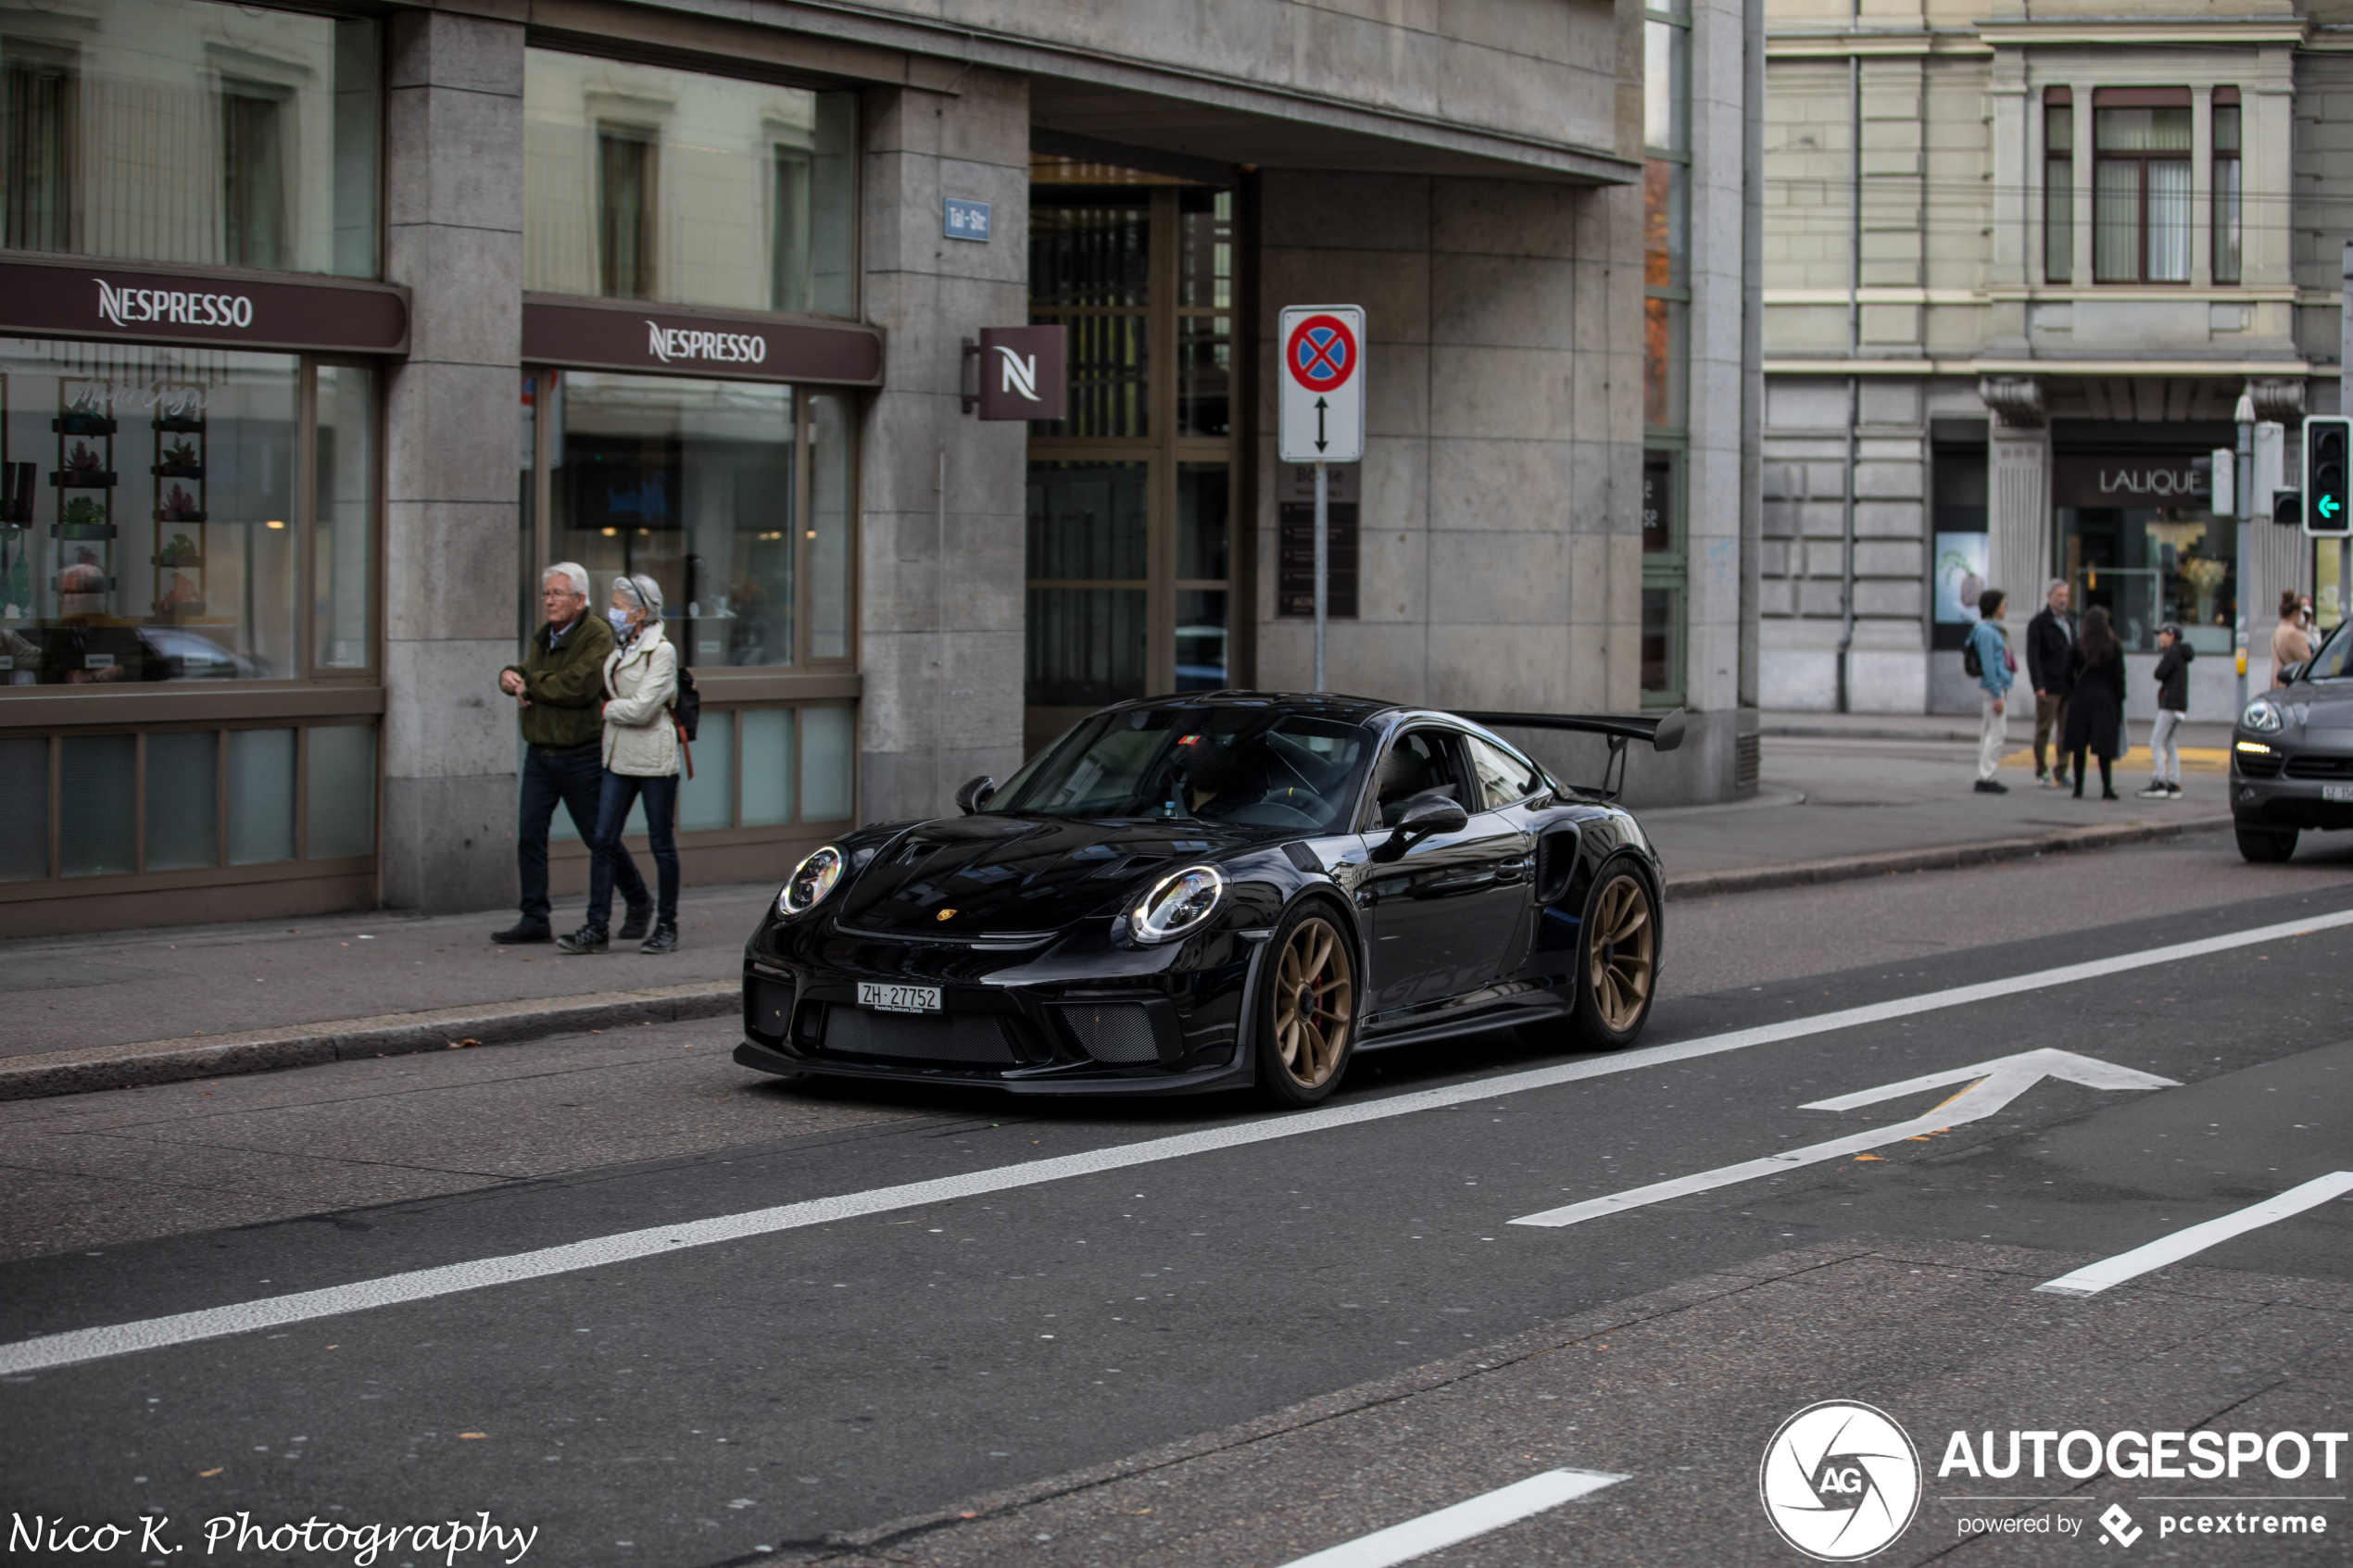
(1320, 704)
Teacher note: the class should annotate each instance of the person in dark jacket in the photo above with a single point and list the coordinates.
(2174, 654)
(558, 690)
(2050, 637)
(2096, 701)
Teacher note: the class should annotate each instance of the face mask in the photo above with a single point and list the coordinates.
(620, 618)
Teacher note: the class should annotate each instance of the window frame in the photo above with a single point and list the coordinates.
(2216, 156)
(1666, 296)
(2149, 98)
(2058, 200)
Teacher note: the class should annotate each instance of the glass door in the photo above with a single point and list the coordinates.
(1128, 524)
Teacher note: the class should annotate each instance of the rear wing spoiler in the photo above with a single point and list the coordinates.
(1664, 732)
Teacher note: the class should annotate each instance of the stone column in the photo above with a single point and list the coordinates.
(453, 158)
(2018, 489)
(942, 568)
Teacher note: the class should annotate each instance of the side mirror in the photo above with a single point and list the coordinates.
(974, 794)
(1424, 815)
(2287, 675)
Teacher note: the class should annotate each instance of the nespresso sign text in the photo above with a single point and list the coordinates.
(593, 334)
(67, 296)
(123, 306)
(669, 344)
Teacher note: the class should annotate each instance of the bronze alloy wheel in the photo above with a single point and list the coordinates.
(1621, 953)
(1314, 1002)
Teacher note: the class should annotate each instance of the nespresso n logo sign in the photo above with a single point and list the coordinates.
(670, 344)
(123, 306)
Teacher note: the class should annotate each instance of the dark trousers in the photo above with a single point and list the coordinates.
(575, 778)
(621, 792)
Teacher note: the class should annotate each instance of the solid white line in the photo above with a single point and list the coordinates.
(2094, 1278)
(91, 1344)
(2001, 1081)
(1415, 1537)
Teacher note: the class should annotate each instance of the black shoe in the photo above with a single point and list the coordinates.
(663, 940)
(633, 925)
(2109, 795)
(588, 939)
(1991, 786)
(524, 931)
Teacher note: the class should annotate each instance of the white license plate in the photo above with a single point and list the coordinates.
(898, 999)
(2336, 791)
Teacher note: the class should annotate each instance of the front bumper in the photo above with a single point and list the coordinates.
(2289, 784)
(1075, 1016)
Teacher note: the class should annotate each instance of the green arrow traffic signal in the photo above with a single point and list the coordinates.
(2328, 475)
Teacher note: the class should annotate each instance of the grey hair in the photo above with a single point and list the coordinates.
(2053, 586)
(570, 572)
(644, 589)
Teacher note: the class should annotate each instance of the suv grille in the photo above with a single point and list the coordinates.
(2319, 766)
(2254, 767)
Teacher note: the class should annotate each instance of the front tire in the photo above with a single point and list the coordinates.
(1618, 962)
(1307, 1024)
(2264, 847)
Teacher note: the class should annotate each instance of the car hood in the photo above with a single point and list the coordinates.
(1003, 875)
(2324, 708)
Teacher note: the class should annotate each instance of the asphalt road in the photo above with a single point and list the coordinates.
(1248, 1350)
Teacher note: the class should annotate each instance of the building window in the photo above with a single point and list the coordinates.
(735, 496)
(1666, 284)
(2059, 186)
(124, 134)
(156, 516)
(766, 767)
(2141, 185)
(645, 182)
(2226, 184)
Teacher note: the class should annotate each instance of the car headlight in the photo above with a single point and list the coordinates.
(810, 881)
(1176, 904)
(2260, 717)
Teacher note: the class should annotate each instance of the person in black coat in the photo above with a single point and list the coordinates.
(2050, 637)
(2174, 654)
(2095, 705)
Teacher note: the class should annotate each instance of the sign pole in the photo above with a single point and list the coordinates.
(1323, 564)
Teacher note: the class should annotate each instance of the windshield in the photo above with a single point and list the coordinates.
(2329, 663)
(1243, 766)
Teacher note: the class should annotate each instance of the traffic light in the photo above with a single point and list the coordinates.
(2287, 508)
(2328, 474)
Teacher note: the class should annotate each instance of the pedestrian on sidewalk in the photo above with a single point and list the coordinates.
(2174, 654)
(640, 763)
(2095, 709)
(556, 689)
(2049, 636)
(2290, 644)
(1988, 657)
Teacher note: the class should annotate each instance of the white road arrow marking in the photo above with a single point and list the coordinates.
(1998, 1083)
(2094, 1278)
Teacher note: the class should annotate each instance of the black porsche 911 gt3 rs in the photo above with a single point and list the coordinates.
(1218, 889)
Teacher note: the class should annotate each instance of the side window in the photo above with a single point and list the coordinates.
(1503, 777)
(1416, 763)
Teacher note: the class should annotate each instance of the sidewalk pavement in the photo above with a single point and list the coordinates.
(1843, 797)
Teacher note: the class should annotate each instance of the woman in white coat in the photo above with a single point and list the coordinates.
(641, 762)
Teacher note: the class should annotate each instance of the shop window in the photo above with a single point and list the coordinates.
(754, 768)
(2059, 186)
(2141, 185)
(1666, 579)
(124, 137)
(2226, 186)
(2137, 537)
(645, 182)
(151, 525)
(24, 809)
(1666, 218)
(736, 496)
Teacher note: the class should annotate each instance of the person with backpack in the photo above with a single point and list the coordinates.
(2172, 704)
(1987, 657)
(643, 743)
(2095, 711)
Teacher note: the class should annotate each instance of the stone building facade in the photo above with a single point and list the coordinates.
(424, 299)
(2025, 269)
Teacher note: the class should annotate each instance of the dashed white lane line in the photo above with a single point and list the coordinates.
(74, 1345)
(2094, 1278)
(1448, 1526)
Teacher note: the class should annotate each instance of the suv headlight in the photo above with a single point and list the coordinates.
(1176, 904)
(2261, 717)
(810, 881)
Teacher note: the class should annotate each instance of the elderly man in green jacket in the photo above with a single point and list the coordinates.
(559, 688)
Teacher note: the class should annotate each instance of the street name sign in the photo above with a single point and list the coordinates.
(1321, 411)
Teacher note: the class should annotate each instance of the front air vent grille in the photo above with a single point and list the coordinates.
(2252, 767)
(767, 1007)
(1116, 1033)
(967, 1039)
(2313, 767)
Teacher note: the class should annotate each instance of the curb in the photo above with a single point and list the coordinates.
(144, 1063)
(401, 1034)
(1947, 857)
